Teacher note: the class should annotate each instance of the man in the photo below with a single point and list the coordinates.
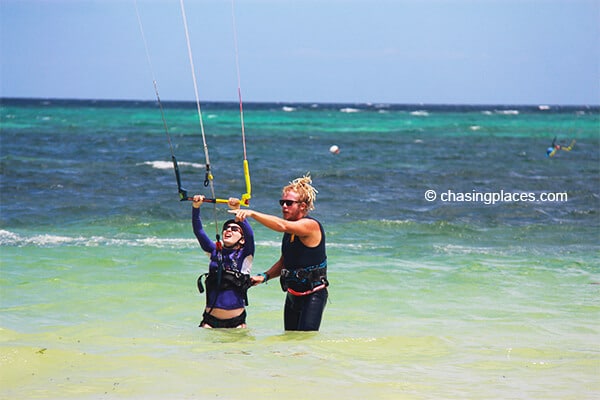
(302, 267)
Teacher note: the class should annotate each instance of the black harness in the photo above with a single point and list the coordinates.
(229, 280)
(304, 279)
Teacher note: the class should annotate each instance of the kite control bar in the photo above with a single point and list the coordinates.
(245, 200)
(205, 200)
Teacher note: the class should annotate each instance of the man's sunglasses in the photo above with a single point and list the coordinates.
(288, 203)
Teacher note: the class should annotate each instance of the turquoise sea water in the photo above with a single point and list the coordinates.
(429, 299)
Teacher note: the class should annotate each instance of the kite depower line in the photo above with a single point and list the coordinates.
(208, 179)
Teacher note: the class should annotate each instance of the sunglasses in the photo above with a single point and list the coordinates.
(233, 228)
(288, 203)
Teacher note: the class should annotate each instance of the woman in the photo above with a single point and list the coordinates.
(228, 277)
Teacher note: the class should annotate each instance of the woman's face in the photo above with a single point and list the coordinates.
(233, 235)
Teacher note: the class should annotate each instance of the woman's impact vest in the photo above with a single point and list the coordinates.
(228, 280)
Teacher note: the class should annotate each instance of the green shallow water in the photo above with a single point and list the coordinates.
(123, 322)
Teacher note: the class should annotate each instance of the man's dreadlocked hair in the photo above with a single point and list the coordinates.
(303, 187)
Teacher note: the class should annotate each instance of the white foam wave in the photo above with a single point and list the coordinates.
(420, 113)
(457, 249)
(267, 243)
(349, 110)
(288, 109)
(169, 164)
(12, 239)
(8, 238)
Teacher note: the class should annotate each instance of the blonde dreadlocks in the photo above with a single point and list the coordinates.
(302, 186)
